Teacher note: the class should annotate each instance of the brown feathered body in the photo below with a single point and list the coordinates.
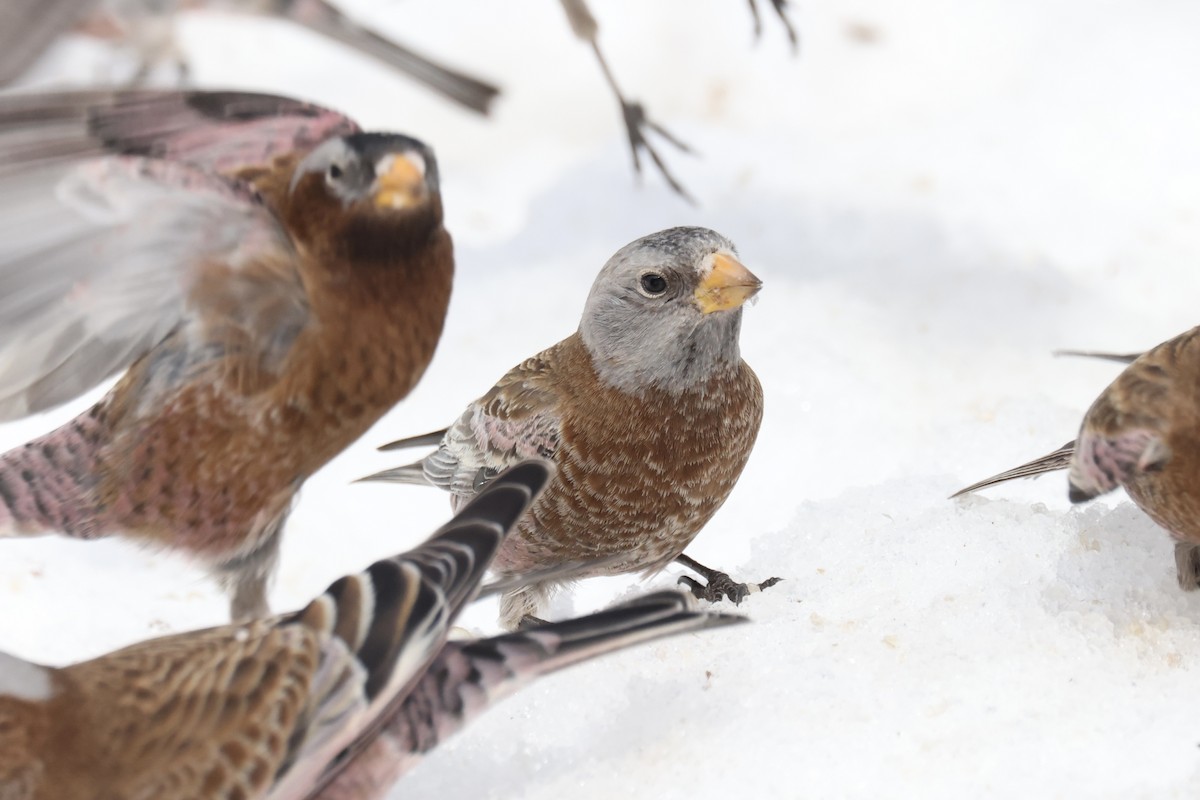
(1143, 433)
(639, 474)
(271, 280)
(239, 441)
(167, 738)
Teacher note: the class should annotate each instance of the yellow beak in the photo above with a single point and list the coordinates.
(727, 285)
(402, 183)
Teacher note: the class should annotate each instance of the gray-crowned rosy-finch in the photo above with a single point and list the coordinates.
(648, 410)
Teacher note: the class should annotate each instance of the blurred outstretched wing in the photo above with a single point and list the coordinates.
(216, 131)
(117, 228)
(28, 27)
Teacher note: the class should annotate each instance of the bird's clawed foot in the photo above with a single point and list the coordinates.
(780, 7)
(719, 585)
(637, 124)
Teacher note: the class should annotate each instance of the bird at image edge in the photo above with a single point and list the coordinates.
(1140, 434)
(335, 701)
(270, 279)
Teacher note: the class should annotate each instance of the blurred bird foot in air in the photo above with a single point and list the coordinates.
(720, 585)
(146, 32)
(637, 124)
(780, 7)
(247, 577)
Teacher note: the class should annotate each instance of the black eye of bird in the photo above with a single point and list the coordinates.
(335, 171)
(654, 284)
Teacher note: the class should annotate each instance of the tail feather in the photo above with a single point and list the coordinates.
(377, 612)
(1051, 462)
(468, 677)
(424, 440)
(651, 616)
(413, 473)
(1123, 358)
(385, 624)
(463, 89)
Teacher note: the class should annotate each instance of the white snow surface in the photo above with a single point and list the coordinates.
(937, 195)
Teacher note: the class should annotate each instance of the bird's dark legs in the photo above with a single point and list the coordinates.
(780, 7)
(637, 123)
(1187, 560)
(636, 126)
(246, 578)
(719, 585)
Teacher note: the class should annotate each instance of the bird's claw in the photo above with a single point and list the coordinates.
(636, 126)
(720, 586)
(780, 7)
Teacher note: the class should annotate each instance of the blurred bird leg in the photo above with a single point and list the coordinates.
(146, 29)
(780, 7)
(720, 585)
(29, 27)
(584, 25)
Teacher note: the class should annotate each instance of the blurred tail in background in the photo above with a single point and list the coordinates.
(638, 124)
(29, 27)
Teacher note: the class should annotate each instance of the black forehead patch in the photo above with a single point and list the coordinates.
(373, 146)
